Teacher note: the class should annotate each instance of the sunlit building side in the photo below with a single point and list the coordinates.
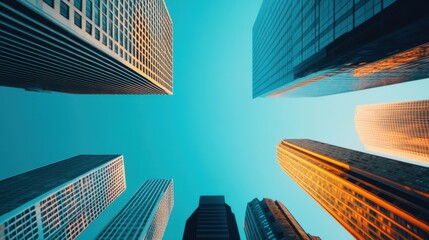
(306, 48)
(146, 215)
(269, 219)
(370, 196)
(398, 129)
(87, 46)
(60, 200)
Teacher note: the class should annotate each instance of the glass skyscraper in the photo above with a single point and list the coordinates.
(398, 129)
(213, 219)
(87, 46)
(271, 220)
(146, 215)
(306, 48)
(371, 196)
(60, 200)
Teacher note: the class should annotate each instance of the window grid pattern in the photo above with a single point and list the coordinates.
(271, 220)
(146, 215)
(287, 33)
(398, 129)
(139, 32)
(67, 212)
(366, 207)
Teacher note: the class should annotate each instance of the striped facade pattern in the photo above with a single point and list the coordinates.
(146, 215)
(86, 46)
(271, 220)
(307, 48)
(61, 200)
(398, 129)
(370, 196)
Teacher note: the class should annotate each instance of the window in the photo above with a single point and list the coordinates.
(97, 34)
(49, 2)
(77, 20)
(64, 9)
(89, 9)
(78, 4)
(97, 16)
(88, 28)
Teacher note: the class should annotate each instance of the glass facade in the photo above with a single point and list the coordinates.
(60, 200)
(399, 129)
(271, 220)
(213, 219)
(146, 215)
(308, 48)
(118, 46)
(372, 197)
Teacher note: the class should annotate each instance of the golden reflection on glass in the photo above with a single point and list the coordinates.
(393, 61)
(353, 202)
(397, 129)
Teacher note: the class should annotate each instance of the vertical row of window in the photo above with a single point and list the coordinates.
(131, 29)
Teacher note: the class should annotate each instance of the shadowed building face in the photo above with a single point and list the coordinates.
(268, 219)
(146, 215)
(372, 197)
(213, 219)
(60, 200)
(307, 48)
(87, 46)
(397, 129)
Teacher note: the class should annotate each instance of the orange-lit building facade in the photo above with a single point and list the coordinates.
(371, 196)
(61, 200)
(397, 129)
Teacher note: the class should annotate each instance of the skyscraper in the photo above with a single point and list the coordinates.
(87, 46)
(371, 196)
(306, 48)
(146, 215)
(398, 129)
(60, 200)
(213, 219)
(268, 219)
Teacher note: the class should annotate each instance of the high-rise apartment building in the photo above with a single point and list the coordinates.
(306, 48)
(269, 219)
(146, 215)
(87, 46)
(397, 129)
(371, 196)
(213, 219)
(60, 200)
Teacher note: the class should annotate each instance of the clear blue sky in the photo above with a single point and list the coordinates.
(211, 137)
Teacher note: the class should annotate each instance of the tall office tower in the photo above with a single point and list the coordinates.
(371, 196)
(86, 46)
(146, 215)
(268, 219)
(307, 48)
(398, 129)
(60, 200)
(213, 219)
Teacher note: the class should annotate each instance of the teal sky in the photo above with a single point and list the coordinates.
(211, 137)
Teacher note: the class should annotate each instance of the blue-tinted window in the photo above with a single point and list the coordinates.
(88, 28)
(64, 10)
(49, 2)
(77, 20)
(78, 4)
(97, 34)
(89, 9)
(97, 16)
